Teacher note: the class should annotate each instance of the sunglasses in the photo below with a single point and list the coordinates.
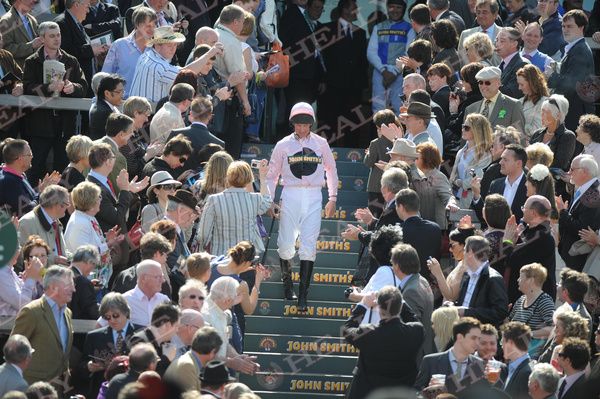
(484, 82)
(182, 159)
(553, 102)
(114, 316)
(466, 128)
(168, 187)
(194, 296)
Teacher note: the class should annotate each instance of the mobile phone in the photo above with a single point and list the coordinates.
(558, 171)
(255, 261)
(403, 97)
(472, 173)
(455, 92)
(255, 163)
(430, 260)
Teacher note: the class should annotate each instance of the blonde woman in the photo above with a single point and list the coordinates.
(479, 48)
(442, 320)
(477, 132)
(215, 176)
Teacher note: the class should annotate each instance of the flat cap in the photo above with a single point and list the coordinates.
(489, 73)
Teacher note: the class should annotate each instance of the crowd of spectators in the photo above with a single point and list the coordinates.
(139, 216)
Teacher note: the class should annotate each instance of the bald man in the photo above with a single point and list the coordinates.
(535, 245)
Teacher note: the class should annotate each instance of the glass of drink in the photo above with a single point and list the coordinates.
(493, 370)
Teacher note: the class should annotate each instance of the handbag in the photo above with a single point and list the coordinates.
(135, 235)
(254, 117)
(282, 77)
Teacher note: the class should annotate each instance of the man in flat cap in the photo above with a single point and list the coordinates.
(497, 107)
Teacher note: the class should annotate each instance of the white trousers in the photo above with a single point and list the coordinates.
(300, 219)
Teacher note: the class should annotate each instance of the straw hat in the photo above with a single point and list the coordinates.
(405, 148)
(165, 34)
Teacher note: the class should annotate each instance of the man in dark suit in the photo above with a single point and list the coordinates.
(462, 369)
(306, 61)
(103, 344)
(392, 181)
(46, 323)
(103, 17)
(573, 359)
(84, 304)
(583, 212)
(17, 196)
(440, 10)
(17, 356)
(48, 129)
(500, 109)
(384, 360)
(113, 212)
(507, 47)
(425, 236)
(576, 67)
(514, 378)
(75, 40)
(181, 209)
(346, 76)
(111, 92)
(197, 132)
(438, 76)
(502, 138)
(482, 292)
(142, 357)
(512, 187)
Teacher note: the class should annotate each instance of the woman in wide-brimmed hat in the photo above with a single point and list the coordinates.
(161, 185)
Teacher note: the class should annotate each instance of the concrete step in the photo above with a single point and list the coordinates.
(303, 383)
(316, 292)
(299, 325)
(328, 275)
(317, 309)
(338, 260)
(305, 363)
(298, 344)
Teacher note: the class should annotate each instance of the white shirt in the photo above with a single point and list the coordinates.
(141, 306)
(511, 190)
(382, 277)
(217, 318)
(474, 278)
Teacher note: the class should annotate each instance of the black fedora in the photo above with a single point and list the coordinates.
(184, 197)
(215, 372)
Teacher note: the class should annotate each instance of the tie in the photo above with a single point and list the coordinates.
(527, 56)
(461, 367)
(502, 66)
(561, 390)
(28, 27)
(94, 10)
(120, 342)
(161, 19)
(308, 21)
(59, 250)
(486, 109)
(82, 29)
(484, 31)
(111, 187)
(577, 195)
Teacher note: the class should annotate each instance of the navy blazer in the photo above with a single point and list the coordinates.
(456, 20)
(497, 187)
(107, 18)
(576, 390)
(439, 363)
(510, 86)
(426, 237)
(99, 114)
(76, 43)
(200, 136)
(16, 194)
(489, 303)
(393, 366)
(584, 213)
(295, 34)
(518, 385)
(576, 67)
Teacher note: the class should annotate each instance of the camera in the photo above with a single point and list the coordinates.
(403, 97)
(255, 164)
(255, 262)
(347, 292)
(455, 92)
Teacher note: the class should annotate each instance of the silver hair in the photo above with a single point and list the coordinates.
(115, 301)
(86, 253)
(395, 179)
(96, 80)
(438, 4)
(562, 107)
(224, 288)
(144, 267)
(419, 80)
(588, 162)
(172, 206)
(44, 26)
(53, 195)
(546, 375)
(191, 284)
(55, 275)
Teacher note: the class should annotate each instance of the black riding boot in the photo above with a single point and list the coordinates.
(306, 270)
(286, 277)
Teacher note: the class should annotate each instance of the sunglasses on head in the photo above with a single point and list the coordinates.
(167, 187)
(113, 316)
(466, 128)
(553, 102)
(484, 82)
(194, 296)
